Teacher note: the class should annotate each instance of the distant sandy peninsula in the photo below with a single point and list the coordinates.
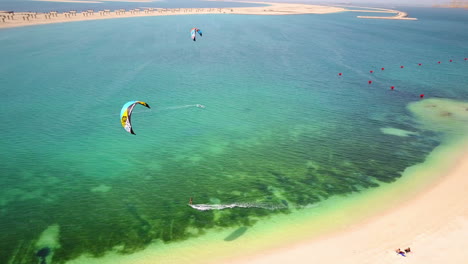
(399, 14)
(9, 19)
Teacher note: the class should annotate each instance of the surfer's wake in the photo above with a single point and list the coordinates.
(205, 207)
(183, 106)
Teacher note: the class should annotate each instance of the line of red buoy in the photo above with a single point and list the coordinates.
(393, 87)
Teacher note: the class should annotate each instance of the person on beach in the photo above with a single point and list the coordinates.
(408, 250)
(399, 252)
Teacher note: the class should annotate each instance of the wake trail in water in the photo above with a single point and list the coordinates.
(155, 110)
(206, 207)
(178, 107)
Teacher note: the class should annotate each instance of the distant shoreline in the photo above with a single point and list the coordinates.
(400, 15)
(9, 19)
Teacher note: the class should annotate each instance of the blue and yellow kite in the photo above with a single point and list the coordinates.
(126, 114)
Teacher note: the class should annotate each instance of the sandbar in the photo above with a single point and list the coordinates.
(399, 16)
(21, 19)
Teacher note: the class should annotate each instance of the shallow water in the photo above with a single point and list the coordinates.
(280, 127)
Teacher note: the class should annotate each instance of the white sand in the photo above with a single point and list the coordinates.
(22, 19)
(434, 224)
(433, 221)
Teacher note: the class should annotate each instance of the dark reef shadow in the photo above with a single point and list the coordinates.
(236, 234)
(42, 254)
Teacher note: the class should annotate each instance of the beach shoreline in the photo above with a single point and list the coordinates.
(426, 210)
(367, 227)
(433, 224)
(10, 19)
(21, 19)
(415, 213)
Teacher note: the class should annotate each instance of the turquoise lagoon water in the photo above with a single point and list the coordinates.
(280, 131)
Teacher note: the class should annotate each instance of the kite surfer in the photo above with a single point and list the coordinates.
(190, 201)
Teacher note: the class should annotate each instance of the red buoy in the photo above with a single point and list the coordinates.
(421, 96)
(370, 82)
(339, 74)
(438, 62)
(466, 58)
(371, 71)
(419, 64)
(383, 69)
(392, 87)
(451, 60)
(402, 66)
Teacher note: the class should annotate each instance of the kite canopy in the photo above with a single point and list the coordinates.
(193, 33)
(126, 114)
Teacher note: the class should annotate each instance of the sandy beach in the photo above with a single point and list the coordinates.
(433, 224)
(430, 216)
(21, 19)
